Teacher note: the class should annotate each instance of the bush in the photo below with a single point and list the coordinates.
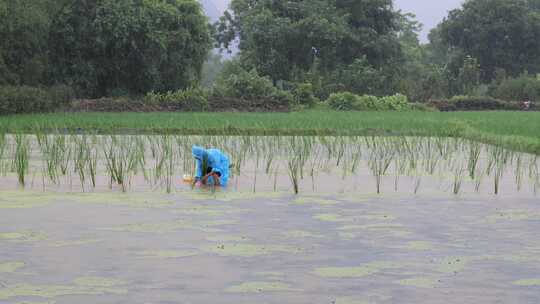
(397, 102)
(368, 103)
(422, 107)
(236, 82)
(304, 95)
(474, 103)
(193, 99)
(346, 101)
(24, 99)
(343, 101)
(517, 89)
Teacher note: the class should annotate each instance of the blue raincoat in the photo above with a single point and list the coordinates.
(215, 159)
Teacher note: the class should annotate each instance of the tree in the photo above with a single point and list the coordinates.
(280, 38)
(501, 34)
(23, 30)
(134, 46)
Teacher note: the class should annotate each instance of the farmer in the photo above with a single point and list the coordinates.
(212, 166)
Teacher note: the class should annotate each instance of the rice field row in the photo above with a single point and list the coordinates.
(127, 161)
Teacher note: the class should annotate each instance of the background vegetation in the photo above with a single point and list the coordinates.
(156, 55)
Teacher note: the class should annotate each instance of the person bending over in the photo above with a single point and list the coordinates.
(212, 166)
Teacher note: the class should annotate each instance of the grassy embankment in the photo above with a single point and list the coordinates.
(515, 130)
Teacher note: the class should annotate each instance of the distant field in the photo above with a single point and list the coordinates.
(516, 130)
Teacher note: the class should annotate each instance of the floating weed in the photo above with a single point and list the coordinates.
(168, 254)
(227, 238)
(419, 245)
(527, 282)
(23, 200)
(10, 267)
(453, 264)
(331, 217)
(301, 234)
(260, 287)
(304, 200)
(357, 300)
(420, 282)
(513, 215)
(84, 286)
(357, 272)
(98, 282)
(79, 242)
(23, 236)
(248, 250)
(120, 199)
(166, 227)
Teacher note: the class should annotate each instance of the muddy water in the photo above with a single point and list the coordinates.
(233, 247)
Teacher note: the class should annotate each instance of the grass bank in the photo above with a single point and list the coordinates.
(515, 130)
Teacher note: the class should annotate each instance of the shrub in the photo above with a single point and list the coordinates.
(343, 101)
(62, 95)
(517, 89)
(474, 103)
(192, 99)
(346, 101)
(304, 95)
(24, 99)
(397, 102)
(368, 103)
(236, 82)
(422, 107)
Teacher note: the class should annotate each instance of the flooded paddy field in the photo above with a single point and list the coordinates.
(453, 222)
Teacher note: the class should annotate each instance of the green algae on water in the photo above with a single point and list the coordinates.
(356, 272)
(98, 282)
(331, 217)
(307, 200)
(227, 238)
(301, 234)
(421, 282)
(10, 267)
(527, 282)
(23, 200)
(168, 254)
(453, 264)
(247, 250)
(419, 245)
(53, 291)
(79, 242)
(513, 215)
(260, 287)
(23, 236)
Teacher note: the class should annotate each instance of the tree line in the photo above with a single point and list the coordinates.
(317, 47)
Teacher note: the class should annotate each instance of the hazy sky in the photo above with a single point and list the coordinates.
(428, 12)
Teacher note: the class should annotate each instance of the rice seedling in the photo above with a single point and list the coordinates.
(498, 161)
(294, 172)
(380, 157)
(457, 180)
(3, 144)
(475, 150)
(20, 162)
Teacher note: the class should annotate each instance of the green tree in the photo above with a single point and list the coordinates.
(23, 30)
(469, 75)
(280, 38)
(136, 46)
(501, 34)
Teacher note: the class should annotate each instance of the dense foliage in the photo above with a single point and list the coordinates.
(347, 101)
(353, 54)
(343, 42)
(103, 47)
